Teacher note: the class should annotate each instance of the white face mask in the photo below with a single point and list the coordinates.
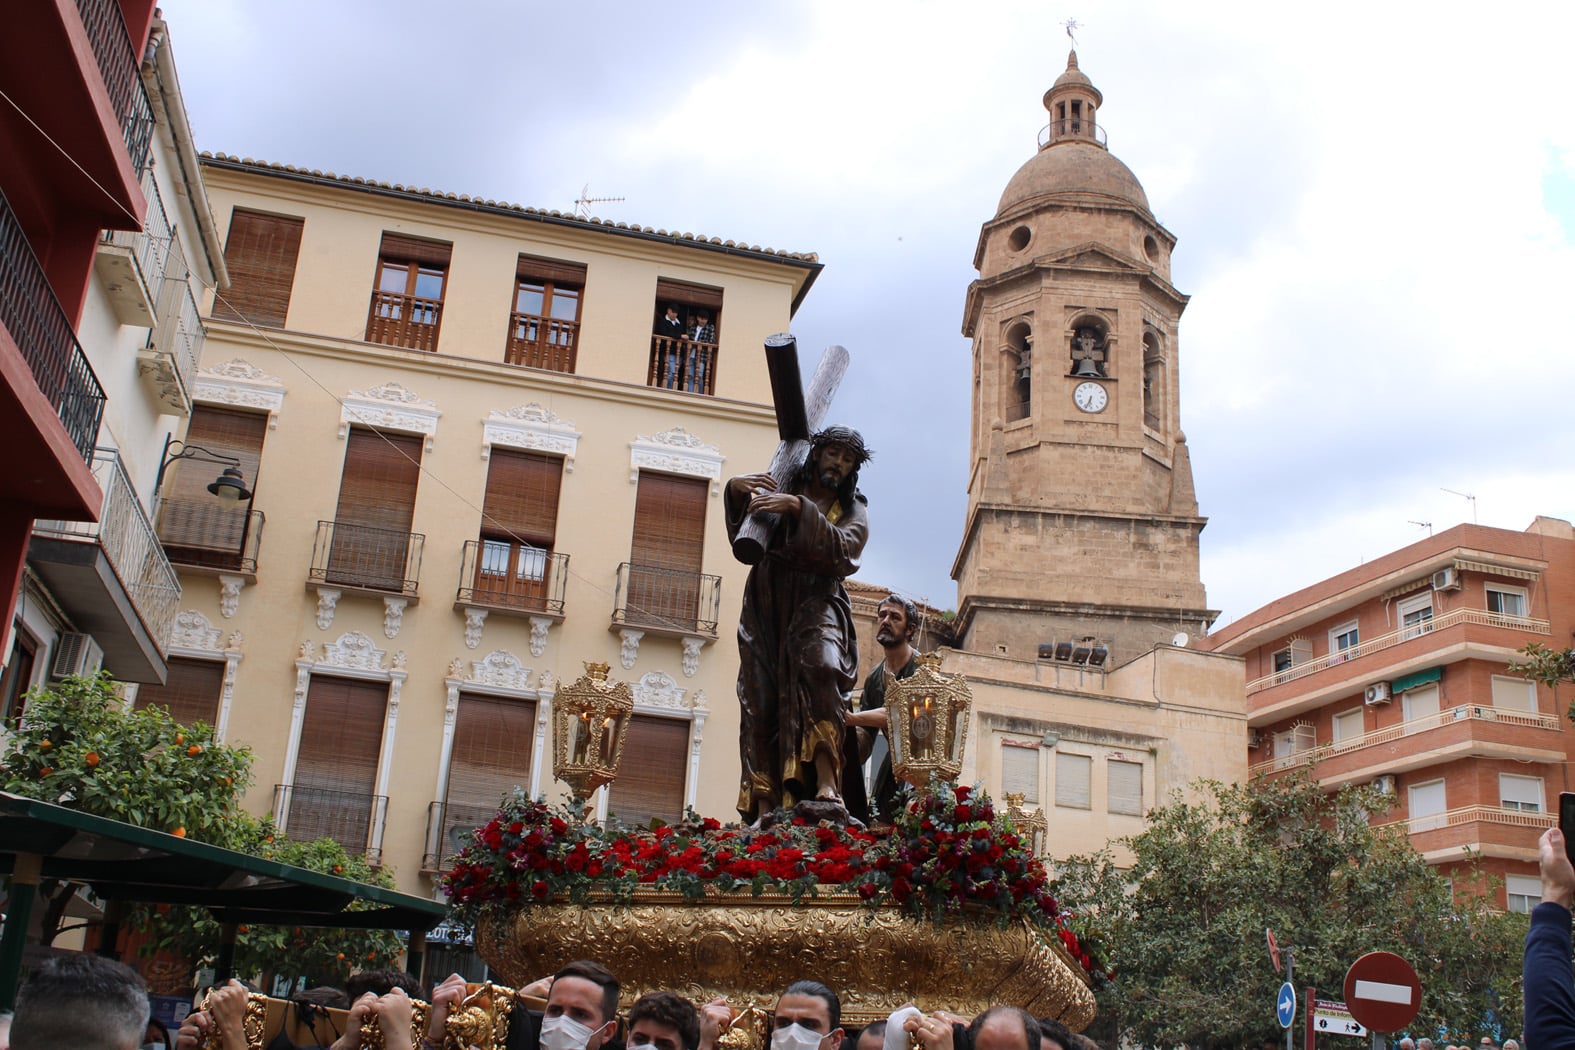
(795, 1037)
(564, 1033)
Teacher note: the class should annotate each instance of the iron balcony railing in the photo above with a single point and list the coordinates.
(1481, 617)
(1073, 127)
(507, 575)
(33, 316)
(211, 534)
(179, 332)
(542, 342)
(1410, 727)
(404, 320)
(449, 826)
(671, 600)
(348, 555)
(150, 246)
(121, 68)
(131, 546)
(682, 364)
(353, 820)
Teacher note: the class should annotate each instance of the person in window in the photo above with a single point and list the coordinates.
(670, 332)
(701, 335)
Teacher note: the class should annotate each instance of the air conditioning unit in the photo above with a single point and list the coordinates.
(1378, 693)
(1254, 739)
(1446, 579)
(1384, 785)
(78, 654)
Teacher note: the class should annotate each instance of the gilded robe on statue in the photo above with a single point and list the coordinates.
(798, 656)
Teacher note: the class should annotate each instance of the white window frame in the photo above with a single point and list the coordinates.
(1408, 701)
(1431, 820)
(1531, 793)
(1522, 893)
(1518, 593)
(1411, 607)
(1335, 733)
(1337, 652)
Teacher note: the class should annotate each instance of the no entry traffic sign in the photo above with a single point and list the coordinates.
(1382, 992)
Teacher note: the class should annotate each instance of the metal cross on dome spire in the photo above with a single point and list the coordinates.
(1072, 25)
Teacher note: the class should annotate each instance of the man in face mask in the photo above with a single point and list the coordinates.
(807, 1017)
(582, 1008)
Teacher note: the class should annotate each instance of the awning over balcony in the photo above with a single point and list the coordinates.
(1416, 678)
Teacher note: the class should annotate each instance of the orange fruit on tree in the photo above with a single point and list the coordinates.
(193, 751)
(45, 744)
(339, 869)
(180, 738)
(91, 758)
(341, 956)
(179, 833)
(45, 771)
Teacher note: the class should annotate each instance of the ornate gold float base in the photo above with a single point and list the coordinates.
(749, 949)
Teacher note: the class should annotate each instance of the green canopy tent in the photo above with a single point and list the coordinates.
(124, 864)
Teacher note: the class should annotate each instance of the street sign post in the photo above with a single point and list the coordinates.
(1285, 1005)
(1382, 991)
(1332, 1018)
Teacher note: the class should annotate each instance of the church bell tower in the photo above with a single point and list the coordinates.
(1082, 521)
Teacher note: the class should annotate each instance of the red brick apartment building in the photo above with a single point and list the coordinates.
(1395, 674)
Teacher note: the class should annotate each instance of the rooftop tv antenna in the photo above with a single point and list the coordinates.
(1424, 525)
(581, 209)
(1464, 495)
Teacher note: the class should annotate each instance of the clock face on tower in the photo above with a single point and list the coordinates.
(1090, 397)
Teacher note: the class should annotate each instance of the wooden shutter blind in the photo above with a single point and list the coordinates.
(191, 692)
(416, 249)
(341, 735)
(260, 254)
(534, 267)
(1071, 780)
(1125, 787)
(688, 294)
(522, 496)
(1020, 773)
(226, 432)
(669, 522)
(378, 487)
(492, 750)
(651, 777)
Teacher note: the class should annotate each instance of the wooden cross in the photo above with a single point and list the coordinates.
(800, 413)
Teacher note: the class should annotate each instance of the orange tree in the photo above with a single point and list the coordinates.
(79, 746)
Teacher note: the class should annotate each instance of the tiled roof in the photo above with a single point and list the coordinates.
(501, 207)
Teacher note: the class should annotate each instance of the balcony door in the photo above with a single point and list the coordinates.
(332, 795)
(651, 779)
(666, 553)
(493, 739)
(519, 523)
(377, 499)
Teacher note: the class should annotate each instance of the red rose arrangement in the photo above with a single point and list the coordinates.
(950, 850)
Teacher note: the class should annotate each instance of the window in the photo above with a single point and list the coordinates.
(407, 298)
(1020, 771)
(1416, 616)
(1426, 805)
(684, 341)
(1521, 793)
(651, 777)
(190, 692)
(195, 526)
(336, 763)
(1522, 893)
(491, 755)
(1505, 601)
(1297, 652)
(1125, 787)
(1347, 725)
(544, 326)
(1514, 694)
(371, 541)
(1420, 705)
(1089, 350)
(665, 554)
(1289, 743)
(18, 676)
(260, 255)
(1153, 374)
(1072, 774)
(1017, 373)
(1342, 639)
(519, 524)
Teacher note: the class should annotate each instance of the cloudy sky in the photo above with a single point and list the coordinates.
(1375, 205)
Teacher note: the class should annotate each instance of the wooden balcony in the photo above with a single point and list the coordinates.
(542, 342)
(404, 320)
(512, 577)
(682, 364)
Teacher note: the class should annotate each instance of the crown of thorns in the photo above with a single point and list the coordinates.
(847, 437)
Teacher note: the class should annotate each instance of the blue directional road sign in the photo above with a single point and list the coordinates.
(1285, 1005)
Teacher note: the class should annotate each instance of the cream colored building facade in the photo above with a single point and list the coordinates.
(1079, 591)
(388, 639)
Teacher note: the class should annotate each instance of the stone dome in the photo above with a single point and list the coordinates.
(1072, 168)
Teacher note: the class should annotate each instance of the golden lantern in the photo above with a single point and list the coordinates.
(591, 715)
(1033, 826)
(928, 714)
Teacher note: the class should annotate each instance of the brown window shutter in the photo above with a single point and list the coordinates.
(669, 522)
(492, 751)
(336, 765)
(416, 249)
(522, 496)
(260, 255)
(189, 515)
(378, 487)
(688, 294)
(191, 692)
(651, 776)
(554, 270)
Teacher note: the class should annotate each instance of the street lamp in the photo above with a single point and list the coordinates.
(591, 715)
(229, 486)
